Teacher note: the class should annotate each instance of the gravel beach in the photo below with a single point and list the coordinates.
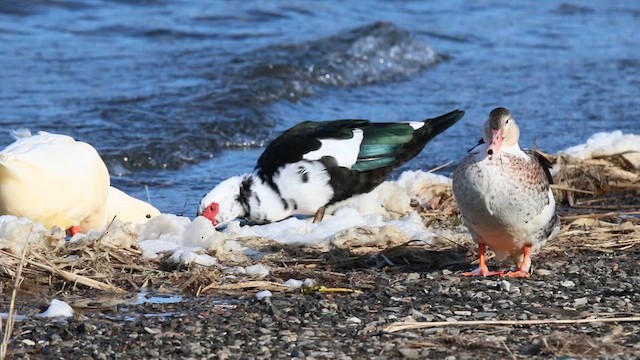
(566, 284)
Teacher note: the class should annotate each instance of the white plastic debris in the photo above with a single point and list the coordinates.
(257, 270)
(293, 283)
(264, 294)
(57, 308)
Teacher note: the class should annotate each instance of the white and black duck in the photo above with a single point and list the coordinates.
(505, 197)
(315, 164)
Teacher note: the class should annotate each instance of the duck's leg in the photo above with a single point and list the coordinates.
(483, 270)
(319, 215)
(525, 267)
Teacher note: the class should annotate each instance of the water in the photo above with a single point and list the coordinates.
(179, 95)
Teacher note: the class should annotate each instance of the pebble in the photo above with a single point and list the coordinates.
(354, 320)
(413, 276)
(463, 313)
(573, 269)
(152, 331)
(297, 353)
(438, 289)
(542, 272)
(568, 284)
(580, 301)
(485, 315)
(410, 353)
(505, 285)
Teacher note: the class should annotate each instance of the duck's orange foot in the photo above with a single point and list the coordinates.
(518, 274)
(483, 271)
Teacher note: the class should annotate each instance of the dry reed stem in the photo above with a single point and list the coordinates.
(410, 325)
(261, 284)
(11, 318)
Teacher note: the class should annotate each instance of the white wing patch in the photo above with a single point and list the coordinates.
(345, 151)
(416, 124)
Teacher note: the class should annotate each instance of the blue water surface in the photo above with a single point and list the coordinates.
(179, 95)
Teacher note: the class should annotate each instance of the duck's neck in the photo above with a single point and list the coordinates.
(511, 150)
(514, 150)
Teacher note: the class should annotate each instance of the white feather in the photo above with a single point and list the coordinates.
(416, 124)
(310, 195)
(345, 151)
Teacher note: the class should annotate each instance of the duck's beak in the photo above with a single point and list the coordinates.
(496, 142)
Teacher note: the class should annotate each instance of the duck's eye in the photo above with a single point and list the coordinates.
(148, 216)
(213, 208)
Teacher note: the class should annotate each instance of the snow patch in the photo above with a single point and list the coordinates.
(604, 144)
(187, 241)
(16, 232)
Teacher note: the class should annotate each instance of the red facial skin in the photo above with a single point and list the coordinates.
(211, 212)
(496, 142)
(73, 230)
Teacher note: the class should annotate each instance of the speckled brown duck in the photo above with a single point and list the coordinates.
(505, 197)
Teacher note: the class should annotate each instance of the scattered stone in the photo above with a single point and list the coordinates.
(462, 313)
(413, 276)
(573, 269)
(542, 272)
(410, 353)
(580, 302)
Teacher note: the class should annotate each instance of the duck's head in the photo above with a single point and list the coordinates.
(500, 131)
(222, 204)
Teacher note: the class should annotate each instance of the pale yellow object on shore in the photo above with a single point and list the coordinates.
(55, 180)
(128, 209)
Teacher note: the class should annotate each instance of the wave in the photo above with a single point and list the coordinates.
(235, 112)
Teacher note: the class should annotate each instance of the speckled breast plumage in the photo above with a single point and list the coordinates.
(505, 201)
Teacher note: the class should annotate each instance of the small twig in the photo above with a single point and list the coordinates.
(440, 167)
(410, 325)
(600, 215)
(265, 285)
(146, 189)
(566, 188)
(605, 207)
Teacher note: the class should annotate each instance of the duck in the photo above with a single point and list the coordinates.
(505, 198)
(317, 163)
(128, 209)
(55, 180)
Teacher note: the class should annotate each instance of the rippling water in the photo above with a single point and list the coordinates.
(178, 95)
